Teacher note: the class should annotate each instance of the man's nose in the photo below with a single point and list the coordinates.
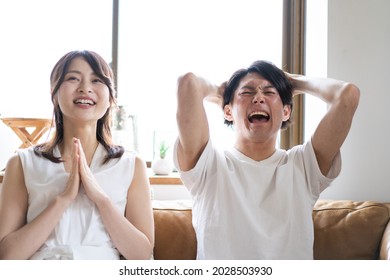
(258, 97)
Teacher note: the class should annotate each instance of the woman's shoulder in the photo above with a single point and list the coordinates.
(134, 157)
(129, 154)
(13, 162)
(25, 151)
(14, 167)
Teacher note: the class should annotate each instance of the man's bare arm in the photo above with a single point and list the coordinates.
(342, 99)
(191, 117)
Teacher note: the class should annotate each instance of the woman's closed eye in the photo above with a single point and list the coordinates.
(71, 78)
(98, 80)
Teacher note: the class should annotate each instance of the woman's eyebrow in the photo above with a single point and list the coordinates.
(79, 72)
(73, 71)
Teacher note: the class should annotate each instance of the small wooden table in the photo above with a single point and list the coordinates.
(19, 125)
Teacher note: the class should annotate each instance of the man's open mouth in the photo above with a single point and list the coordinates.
(258, 117)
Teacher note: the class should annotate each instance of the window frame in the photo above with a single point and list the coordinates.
(293, 59)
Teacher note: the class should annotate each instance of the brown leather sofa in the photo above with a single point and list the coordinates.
(343, 229)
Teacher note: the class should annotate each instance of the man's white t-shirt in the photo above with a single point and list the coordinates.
(246, 209)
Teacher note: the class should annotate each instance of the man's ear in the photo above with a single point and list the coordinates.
(286, 112)
(227, 110)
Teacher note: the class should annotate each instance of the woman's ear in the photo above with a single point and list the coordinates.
(227, 110)
(55, 99)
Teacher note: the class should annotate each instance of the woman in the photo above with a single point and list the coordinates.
(78, 196)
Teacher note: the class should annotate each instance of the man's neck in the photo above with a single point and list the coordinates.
(256, 150)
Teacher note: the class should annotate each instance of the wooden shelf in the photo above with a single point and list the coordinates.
(172, 179)
(164, 180)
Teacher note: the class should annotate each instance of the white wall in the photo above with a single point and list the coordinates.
(170, 192)
(358, 51)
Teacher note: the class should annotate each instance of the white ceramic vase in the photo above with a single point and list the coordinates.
(162, 166)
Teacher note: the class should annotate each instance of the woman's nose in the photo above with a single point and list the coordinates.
(84, 87)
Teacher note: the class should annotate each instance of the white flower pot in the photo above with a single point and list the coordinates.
(162, 166)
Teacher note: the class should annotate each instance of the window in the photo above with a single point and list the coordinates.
(316, 60)
(161, 40)
(35, 34)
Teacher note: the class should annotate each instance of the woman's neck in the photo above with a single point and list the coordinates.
(87, 137)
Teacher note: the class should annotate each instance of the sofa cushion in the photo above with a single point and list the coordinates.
(348, 230)
(174, 235)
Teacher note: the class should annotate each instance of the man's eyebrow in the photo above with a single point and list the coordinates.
(268, 87)
(250, 87)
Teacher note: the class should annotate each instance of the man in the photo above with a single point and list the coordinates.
(255, 201)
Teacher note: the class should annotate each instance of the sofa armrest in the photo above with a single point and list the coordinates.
(384, 253)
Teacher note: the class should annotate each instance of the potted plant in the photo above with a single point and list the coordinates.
(162, 165)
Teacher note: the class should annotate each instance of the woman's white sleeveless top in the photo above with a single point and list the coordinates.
(80, 233)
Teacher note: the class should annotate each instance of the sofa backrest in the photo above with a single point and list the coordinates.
(349, 230)
(342, 230)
